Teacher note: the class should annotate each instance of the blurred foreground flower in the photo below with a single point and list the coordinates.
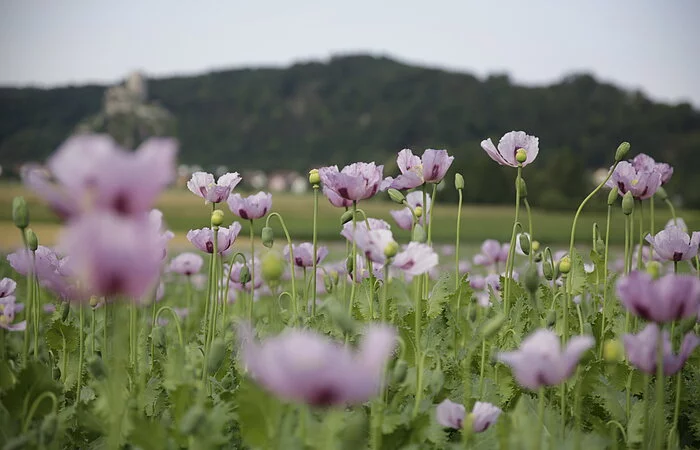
(642, 348)
(186, 264)
(303, 366)
(671, 297)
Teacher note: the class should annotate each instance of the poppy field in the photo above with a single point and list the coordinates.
(396, 339)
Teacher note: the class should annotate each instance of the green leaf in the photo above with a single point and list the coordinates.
(57, 332)
(577, 275)
(443, 289)
(149, 434)
(32, 381)
(635, 428)
(259, 414)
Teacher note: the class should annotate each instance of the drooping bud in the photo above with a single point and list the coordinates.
(418, 233)
(459, 181)
(520, 185)
(396, 196)
(653, 268)
(600, 246)
(627, 203)
(622, 151)
(613, 350)
(532, 279)
(548, 271)
(391, 249)
(314, 177)
(521, 155)
(418, 211)
(400, 371)
(565, 264)
(272, 267)
(65, 312)
(217, 218)
(346, 217)
(244, 275)
(267, 236)
(612, 196)
(20, 213)
(524, 241)
(32, 240)
(661, 194)
(551, 318)
(349, 264)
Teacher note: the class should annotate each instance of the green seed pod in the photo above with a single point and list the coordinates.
(418, 211)
(346, 217)
(65, 311)
(396, 196)
(612, 196)
(418, 233)
(535, 246)
(565, 265)
(622, 151)
(551, 318)
(520, 184)
(661, 194)
(268, 237)
(20, 213)
(193, 420)
(94, 301)
(548, 271)
(217, 218)
(400, 370)
(524, 241)
(314, 177)
(391, 249)
(459, 181)
(521, 155)
(627, 203)
(493, 326)
(32, 240)
(244, 275)
(272, 267)
(532, 279)
(216, 356)
(97, 368)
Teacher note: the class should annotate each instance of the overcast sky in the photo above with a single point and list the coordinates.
(653, 45)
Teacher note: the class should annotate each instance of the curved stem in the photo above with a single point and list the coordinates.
(230, 269)
(315, 245)
(35, 405)
(176, 318)
(673, 211)
(291, 262)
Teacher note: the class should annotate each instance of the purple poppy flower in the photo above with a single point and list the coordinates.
(643, 162)
(186, 264)
(477, 282)
(673, 244)
(404, 217)
(509, 144)
(641, 350)
(493, 280)
(671, 297)
(8, 309)
(540, 360)
(93, 172)
(7, 287)
(304, 254)
(492, 253)
(335, 199)
(451, 415)
(114, 255)
(416, 259)
(255, 271)
(373, 242)
(641, 183)
(203, 238)
(678, 222)
(361, 227)
(251, 207)
(355, 182)
(202, 184)
(301, 365)
(465, 267)
(415, 171)
(54, 273)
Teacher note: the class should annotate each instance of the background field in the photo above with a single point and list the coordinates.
(184, 211)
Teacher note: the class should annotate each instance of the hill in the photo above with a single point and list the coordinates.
(367, 108)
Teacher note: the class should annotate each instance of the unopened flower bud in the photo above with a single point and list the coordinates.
(600, 246)
(627, 203)
(418, 233)
(521, 155)
(535, 246)
(94, 300)
(551, 318)
(65, 312)
(391, 249)
(244, 275)
(520, 185)
(396, 196)
(612, 196)
(459, 181)
(565, 265)
(346, 217)
(32, 240)
(335, 276)
(524, 241)
(314, 176)
(613, 350)
(532, 279)
(622, 151)
(20, 213)
(272, 267)
(400, 371)
(548, 271)
(661, 194)
(349, 264)
(217, 218)
(418, 211)
(493, 326)
(268, 237)
(654, 269)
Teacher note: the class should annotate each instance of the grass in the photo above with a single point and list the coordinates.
(184, 211)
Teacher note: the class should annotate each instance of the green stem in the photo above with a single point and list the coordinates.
(385, 290)
(529, 227)
(677, 408)
(511, 250)
(647, 405)
(354, 259)
(562, 387)
(36, 307)
(295, 306)
(81, 352)
(176, 318)
(540, 417)
(92, 330)
(252, 273)
(605, 281)
(660, 422)
(417, 312)
(315, 245)
(652, 225)
(35, 405)
(306, 291)
(577, 415)
(673, 211)
(457, 235)
(209, 304)
(640, 216)
(481, 370)
(29, 318)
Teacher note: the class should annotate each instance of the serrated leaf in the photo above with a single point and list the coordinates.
(58, 332)
(32, 381)
(635, 426)
(443, 289)
(259, 414)
(577, 275)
